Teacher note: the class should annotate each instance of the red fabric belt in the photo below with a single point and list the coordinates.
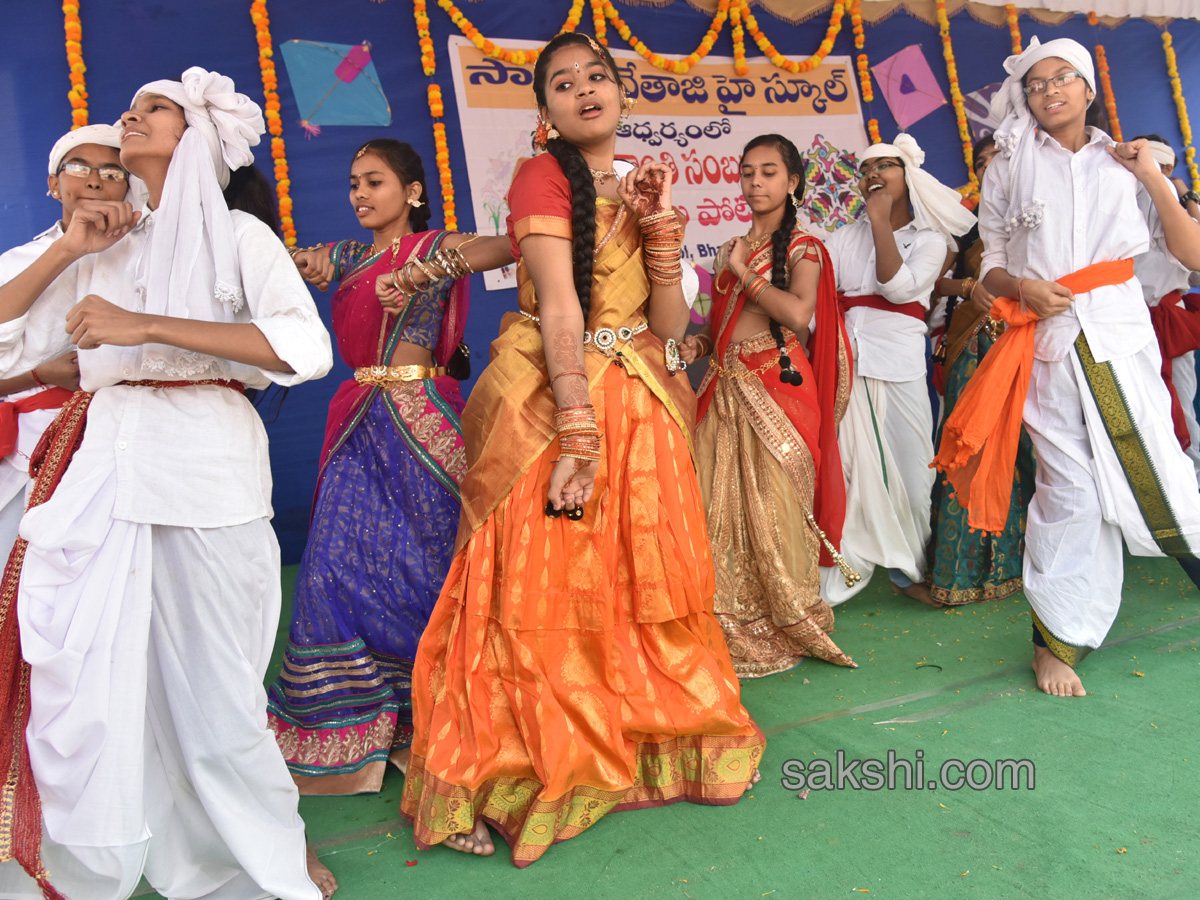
(875, 301)
(51, 398)
(1178, 331)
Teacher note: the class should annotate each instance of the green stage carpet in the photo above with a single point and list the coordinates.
(1113, 812)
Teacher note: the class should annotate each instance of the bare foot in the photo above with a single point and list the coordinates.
(918, 591)
(1054, 676)
(320, 874)
(755, 779)
(478, 842)
(400, 758)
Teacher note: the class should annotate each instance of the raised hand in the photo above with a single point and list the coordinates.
(385, 291)
(1046, 298)
(93, 321)
(62, 372)
(981, 298)
(572, 482)
(1137, 158)
(98, 224)
(316, 267)
(739, 256)
(692, 348)
(878, 203)
(647, 189)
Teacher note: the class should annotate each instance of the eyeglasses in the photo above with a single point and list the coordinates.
(1037, 87)
(883, 166)
(82, 170)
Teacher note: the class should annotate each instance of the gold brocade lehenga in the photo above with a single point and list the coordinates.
(759, 452)
(575, 668)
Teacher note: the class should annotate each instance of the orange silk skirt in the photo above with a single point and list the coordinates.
(571, 669)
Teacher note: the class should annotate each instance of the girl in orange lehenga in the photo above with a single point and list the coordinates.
(767, 439)
(572, 665)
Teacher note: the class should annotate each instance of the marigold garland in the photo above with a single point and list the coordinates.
(516, 57)
(605, 14)
(873, 130)
(421, 14)
(864, 78)
(1014, 26)
(860, 41)
(1110, 99)
(1185, 127)
(807, 65)
(956, 97)
(77, 96)
(739, 40)
(599, 24)
(271, 106)
(677, 66)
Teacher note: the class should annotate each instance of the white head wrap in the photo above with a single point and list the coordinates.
(1010, 105)
(190, 266)
(935, 206)
(104, 135)
(1162, 153)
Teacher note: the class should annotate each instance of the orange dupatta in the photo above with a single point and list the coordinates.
(979, 440)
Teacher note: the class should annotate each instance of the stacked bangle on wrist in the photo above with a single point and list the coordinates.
(662, 246)
(754, 288)
(33, 373)
(292, 251)
(968, 288)
(578, 434)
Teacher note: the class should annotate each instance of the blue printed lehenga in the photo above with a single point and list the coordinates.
(382, 534)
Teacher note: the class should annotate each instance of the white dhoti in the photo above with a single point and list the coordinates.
(886, 445)
(1083, 503)
(147, 734)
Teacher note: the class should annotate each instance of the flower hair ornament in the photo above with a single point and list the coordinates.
(544, 133)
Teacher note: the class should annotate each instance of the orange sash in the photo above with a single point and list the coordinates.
(979, 440)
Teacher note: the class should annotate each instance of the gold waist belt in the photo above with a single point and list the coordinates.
(383, 376)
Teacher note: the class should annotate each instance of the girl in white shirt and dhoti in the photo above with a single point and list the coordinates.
(149, 595)
(1061, 225)
(886, 264)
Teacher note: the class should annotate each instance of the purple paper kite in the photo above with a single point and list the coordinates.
(908, 85)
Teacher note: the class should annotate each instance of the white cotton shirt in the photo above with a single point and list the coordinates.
(1087, 204)
(1159, 273)
(888, 346)
(189, 457)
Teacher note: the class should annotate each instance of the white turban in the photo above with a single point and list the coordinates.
(104, 135)
(1163, 154)
(230, 123)
(1010, 105)
(190, 267)
(936, 207)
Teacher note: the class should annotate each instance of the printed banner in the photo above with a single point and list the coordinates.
(696, 123)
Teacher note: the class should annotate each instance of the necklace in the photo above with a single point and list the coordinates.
(394, 245)
(598, 175)
(755, 246)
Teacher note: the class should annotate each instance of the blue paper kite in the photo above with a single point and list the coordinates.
(335, 84)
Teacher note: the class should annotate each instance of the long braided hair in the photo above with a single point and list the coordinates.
(780, 239)
(575, 168)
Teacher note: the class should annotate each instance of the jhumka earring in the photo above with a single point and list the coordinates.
(544, 133)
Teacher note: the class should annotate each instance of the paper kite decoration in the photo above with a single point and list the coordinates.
(335, 84)
(978, 107)
(909, 86)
